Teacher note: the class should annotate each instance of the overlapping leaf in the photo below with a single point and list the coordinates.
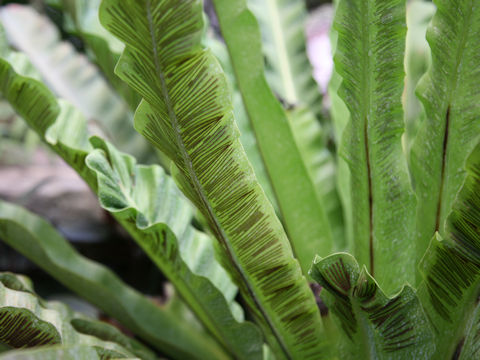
(187, 114)
(451, 273)
(40, 242)
(450, 95)
(146, 202)
(301, 208)
(311, 140)
(369, 58)
(71, 76)
(287, 69)
(65, 131)
(103, 48)
(375, 326)
(27, 321)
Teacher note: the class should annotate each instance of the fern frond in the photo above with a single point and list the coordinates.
(451, 272)
(186, 113)
(450, 95)
(369, 58)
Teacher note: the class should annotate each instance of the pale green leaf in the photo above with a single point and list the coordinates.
(417, 59)
(311, 139)
(103, 48)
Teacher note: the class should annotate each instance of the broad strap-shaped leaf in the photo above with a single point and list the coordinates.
(376, 326)
(147, 203)
(451, 273)
(41, 243)
(187, 114)
(287, 68)
(340, 117)
(28, 321)
(450, 95)
(300, 205)
(369, 58)
(311, 138)
(71, 76)
(288, 72)
(65, 131)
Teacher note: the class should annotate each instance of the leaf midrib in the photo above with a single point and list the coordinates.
(198, 187)
(453, 83)
(366, 101)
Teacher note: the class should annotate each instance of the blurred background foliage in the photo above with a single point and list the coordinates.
(61, 38)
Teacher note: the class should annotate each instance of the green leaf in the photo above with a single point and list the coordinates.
(449, 93)
(103, 48)
(287, 68)
(311, 140)
(451, 273)
(288, 72)
(187, 114)
(71, 76)
(369, 58)
(376, 326)
(301, 208)
(77, 352)
(247, 135)
(106, 332)
(147, 203)
(417, 60)
(28, 321)
(65, 131)
(39, 241)
(340, 117)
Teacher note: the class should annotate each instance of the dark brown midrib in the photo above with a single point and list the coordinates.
(199, 189)
(370, 198)
(442, 174)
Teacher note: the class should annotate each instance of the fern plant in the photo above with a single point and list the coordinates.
(389, 231)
